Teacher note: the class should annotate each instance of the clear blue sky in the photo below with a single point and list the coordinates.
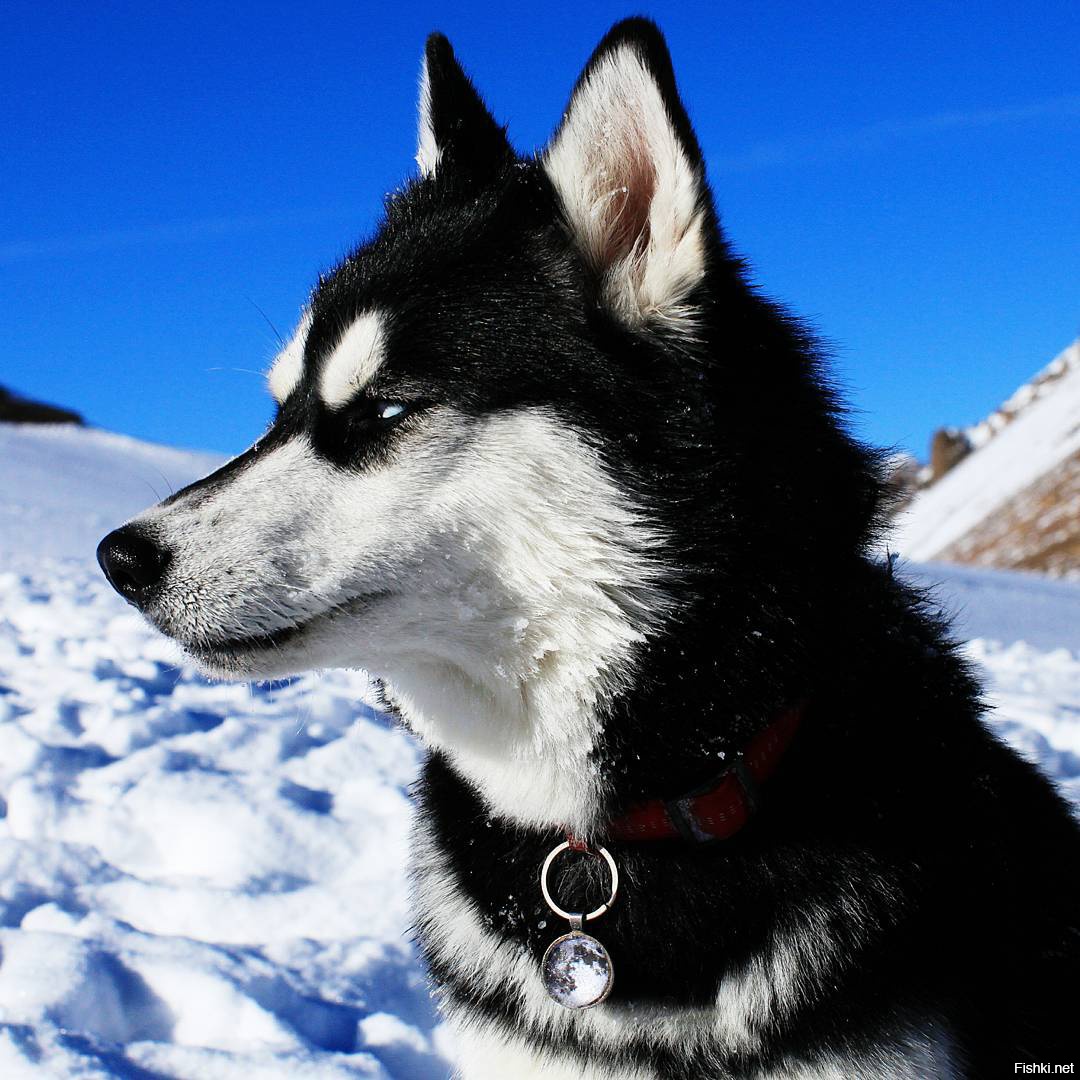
(906, 175)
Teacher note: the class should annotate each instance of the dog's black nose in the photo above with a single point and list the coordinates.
(133, 563)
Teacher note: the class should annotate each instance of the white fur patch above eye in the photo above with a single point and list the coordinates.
(632, 196)
(355, 360)
(288, 365)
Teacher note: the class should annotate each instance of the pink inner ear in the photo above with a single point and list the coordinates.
(626, 209)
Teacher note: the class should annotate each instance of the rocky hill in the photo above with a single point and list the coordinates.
(1005, 492)
(19, 410)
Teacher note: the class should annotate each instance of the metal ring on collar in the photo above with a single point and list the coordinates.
(606, 856)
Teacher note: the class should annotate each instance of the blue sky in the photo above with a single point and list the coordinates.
(905, 175)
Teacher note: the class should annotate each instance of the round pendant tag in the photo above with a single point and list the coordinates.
(577, 971)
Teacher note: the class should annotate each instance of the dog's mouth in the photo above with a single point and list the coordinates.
(236, 653)
(240, 646)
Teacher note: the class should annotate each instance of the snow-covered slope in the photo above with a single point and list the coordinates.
(1001, 505)
(207, 880)
(62, 487)
(1004, 605)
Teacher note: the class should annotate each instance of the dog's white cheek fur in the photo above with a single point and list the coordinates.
(565, 585)
(283, 539)
(520, 583)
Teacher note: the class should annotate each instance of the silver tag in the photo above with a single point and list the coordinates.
(577, 971)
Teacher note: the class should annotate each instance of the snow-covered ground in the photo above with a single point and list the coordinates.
(207, 880)
(196, 880)
(1024, 632)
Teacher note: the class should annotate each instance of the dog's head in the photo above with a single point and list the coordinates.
(503, 432)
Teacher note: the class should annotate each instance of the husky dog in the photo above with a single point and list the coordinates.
(547, 464)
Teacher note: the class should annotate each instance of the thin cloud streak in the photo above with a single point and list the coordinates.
(879, 135)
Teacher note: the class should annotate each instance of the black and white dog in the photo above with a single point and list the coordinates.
(549, 465)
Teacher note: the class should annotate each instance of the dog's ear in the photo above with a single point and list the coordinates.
(456, 132)
(628, 169)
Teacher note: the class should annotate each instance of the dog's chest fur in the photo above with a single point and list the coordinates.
(529, 1035)
(482, 934)
(487, 1056)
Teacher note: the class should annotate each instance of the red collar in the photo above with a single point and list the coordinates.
(718, 809)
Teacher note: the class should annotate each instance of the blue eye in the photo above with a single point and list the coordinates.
(374, 414)
(365, 425)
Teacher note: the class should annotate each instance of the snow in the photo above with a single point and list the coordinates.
(1023, 631)
(1004, 605)
(208, 880)
(63, 487)
(196, 879)
(1010, 454)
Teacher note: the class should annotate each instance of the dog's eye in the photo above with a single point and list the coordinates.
(362, 426)
(376, 411)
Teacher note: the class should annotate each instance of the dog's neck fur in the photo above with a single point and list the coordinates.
(525, 729)
(589, 733)
(647, 663)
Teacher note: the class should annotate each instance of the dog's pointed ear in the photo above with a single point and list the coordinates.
(628, 169)
(456, 132)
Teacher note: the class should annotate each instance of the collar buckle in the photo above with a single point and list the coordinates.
(719, 808)
(682, 811)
